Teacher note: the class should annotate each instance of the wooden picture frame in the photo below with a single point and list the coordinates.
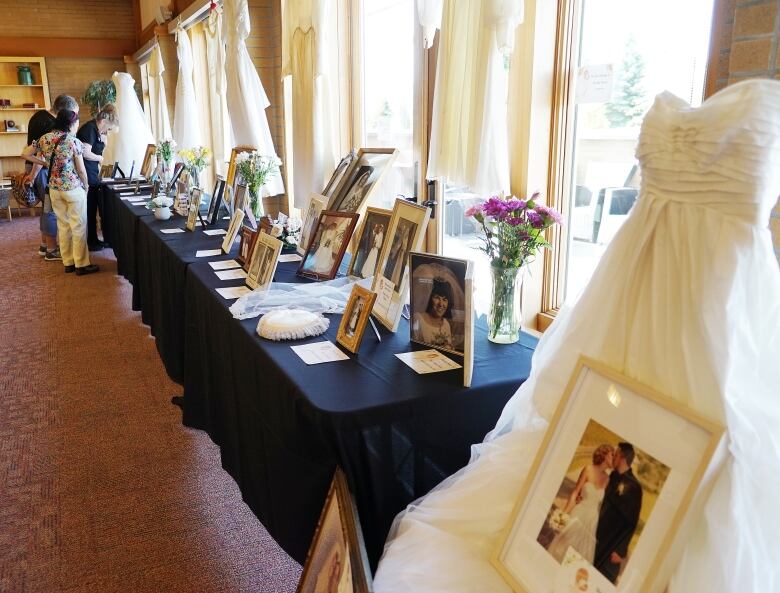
(338, 173)
(248, 238)
(676, 451)
(355, 318)
(337, 537)
(216, 200)
(362, 179)
(367, 243)
(263, 261)
(328, 245)
(230, 178)
(146, 164)
(436, 281)
(194, 207)
(405, 234)
(107, 172)
(232, 232)
(311, 218)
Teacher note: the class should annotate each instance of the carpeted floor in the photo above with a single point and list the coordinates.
(101, 487)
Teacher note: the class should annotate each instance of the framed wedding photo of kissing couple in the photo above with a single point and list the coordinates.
(611, 485)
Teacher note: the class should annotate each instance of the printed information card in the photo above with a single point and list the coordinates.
(319, 352)
(428, 361)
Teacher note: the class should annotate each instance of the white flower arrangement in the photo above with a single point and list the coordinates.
(161, 201)
(559, 520)
(286, 229)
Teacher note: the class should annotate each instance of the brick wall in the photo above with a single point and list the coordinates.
(750, 48)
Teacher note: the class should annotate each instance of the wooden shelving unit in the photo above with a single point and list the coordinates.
(12, 143)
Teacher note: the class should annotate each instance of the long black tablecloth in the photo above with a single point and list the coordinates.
(283, 426)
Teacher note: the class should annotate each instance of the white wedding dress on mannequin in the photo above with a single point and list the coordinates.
(128, 143)
(687, 299)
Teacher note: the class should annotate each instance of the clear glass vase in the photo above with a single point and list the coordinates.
(505, 306)
(256, 201)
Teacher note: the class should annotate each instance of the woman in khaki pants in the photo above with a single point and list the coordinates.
(67, 189)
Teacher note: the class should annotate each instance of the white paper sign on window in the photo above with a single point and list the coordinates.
(594, 83)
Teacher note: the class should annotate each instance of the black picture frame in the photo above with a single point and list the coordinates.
(216, 201)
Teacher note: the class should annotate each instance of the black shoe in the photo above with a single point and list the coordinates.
(70, 269)
(90, 269)
(95, 246)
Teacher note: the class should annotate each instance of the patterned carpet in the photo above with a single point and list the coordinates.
(101, 487)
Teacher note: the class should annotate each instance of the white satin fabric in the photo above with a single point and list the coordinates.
(215, 57)
(186, 118)
(246, 98)
(128, 143)
(161, 122)
(686, 299)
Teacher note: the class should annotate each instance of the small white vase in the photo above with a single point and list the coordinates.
(163, 213)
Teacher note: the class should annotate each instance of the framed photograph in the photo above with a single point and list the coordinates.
(368, 242)
(194, 207)
(338, 173)
(248, 237)
(612, 480)
(178, 168)
(132, 171)
(355, 318)
(441, 309)
(107, 171)
(263, 260)
(326, 249)
(317, 204)
(362, 178)
(240, 197)
(146, 164)
(232, 232)
(216, 201)
(230, 178)
(405, 233)
(337, 559)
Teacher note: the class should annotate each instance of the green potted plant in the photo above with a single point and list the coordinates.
(98, 94)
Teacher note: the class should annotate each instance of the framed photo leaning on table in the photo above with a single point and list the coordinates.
(362, 178)
(405, 233)
(317, 204)
(107, 171)
(262, 263)
(248, 237)
(613, 480)
(355, 318)
(239, 197)
(368, 242)
(338, 173)
(326, 249)
(146, 164)
(232, 232)
(216, 201)
(194, 207)
(337, 560)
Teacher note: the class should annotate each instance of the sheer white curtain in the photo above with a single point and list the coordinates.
(246, 98)
(186, 120)
(305, 59)
(158, 101)
(469, 125)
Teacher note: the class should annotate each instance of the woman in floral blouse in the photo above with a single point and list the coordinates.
(67, 189)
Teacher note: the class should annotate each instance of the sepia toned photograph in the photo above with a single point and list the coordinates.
(604, 501)
(338, 173)
(355, 318)
(263, 261)
(248, 237)
(328, 245)
(370, 240)
(361, 178)
(194, 207)
(398, 253)
(437, 302)
(311, 218)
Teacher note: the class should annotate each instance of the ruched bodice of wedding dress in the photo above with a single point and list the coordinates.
(687, 299)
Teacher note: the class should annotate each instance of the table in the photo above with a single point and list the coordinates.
(283, 427)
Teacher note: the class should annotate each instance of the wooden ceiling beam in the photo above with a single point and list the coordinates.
(66, 47)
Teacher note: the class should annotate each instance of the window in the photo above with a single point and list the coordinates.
(614, 42)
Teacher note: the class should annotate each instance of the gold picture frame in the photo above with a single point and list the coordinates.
(194, 207)
(106, 172)
(232, 232)
(355, 318)
(337, 559)
(680, 452)
(146, 164)
(230, 178)
(263, 261)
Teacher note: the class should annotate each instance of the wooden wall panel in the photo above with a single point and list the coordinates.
(72, 76)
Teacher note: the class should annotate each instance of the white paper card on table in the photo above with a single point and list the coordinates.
(207, 252)
(171, 231)
(106, 179)
(428, 361)
(234, 274)
(224, 265)
(289, 257)
(214, 232)
(319, 352)
(233, 292)
(128, 193)
(384, 295)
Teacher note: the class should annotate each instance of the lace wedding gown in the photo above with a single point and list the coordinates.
(580, 533)
(687, 299)
(129, 142)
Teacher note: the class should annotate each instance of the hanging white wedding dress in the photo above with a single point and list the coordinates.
(186, 123)
(161, 123)
(686, 299)
(128, 143)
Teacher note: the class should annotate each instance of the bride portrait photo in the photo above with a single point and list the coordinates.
(604, 501)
